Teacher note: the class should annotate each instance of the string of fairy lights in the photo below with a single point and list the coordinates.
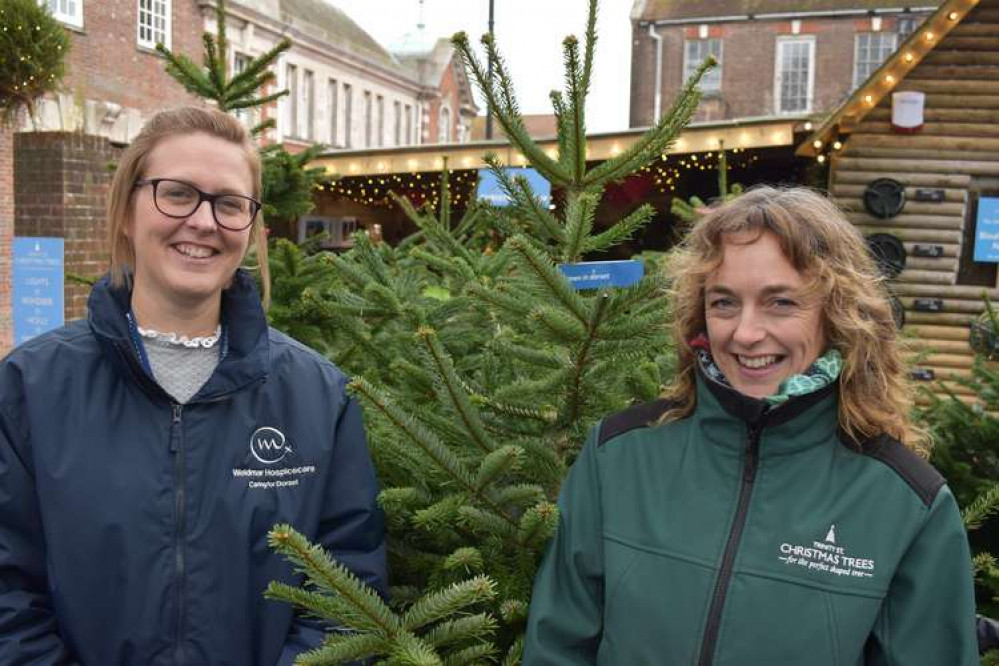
(667, 173)
(884, 81)
(34, 32)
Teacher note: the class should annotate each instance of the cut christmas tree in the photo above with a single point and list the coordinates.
(481, 371)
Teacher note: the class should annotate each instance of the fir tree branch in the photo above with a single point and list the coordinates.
(499, 95)
(562, 131)
(457, 397)
(466, 559)
(590, 44)
(448, 601)
(558, 325)
(339, 648)
(211, 64)
(657, 140)
(369, 610)
(550, 277)
(426, 441)
(520, 192)
(498, 463)
(579, 212)
(470, 656)
(473, 627)
(576, 94)
(982, 508)
(257, 101)
(411, 651)
(621, 231)
(574, 397)
(537, 525)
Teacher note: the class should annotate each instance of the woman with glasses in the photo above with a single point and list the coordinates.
(146, 452)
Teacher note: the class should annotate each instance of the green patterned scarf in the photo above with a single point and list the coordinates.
(822, 372)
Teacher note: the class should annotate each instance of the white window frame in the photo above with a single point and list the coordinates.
(348, 111)
(167, 23)
(69, 12)
(307, 106)
(333, 103)
(408, 113)
(368, 119)
(858, 78)
(290, 111)
(380, 111)
(712, 80)
(444, 124)
(778, 61)
(239, 62)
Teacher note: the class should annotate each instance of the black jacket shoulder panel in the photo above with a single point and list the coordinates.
(921, 476)
(636, 416)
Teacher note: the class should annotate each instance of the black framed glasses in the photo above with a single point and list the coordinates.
(177, 199)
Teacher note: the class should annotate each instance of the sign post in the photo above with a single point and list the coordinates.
(987, 230)
(38, 291)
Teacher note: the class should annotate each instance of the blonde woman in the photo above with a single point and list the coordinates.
(146, 452)
(773, 509)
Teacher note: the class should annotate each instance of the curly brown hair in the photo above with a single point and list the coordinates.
(875, 394)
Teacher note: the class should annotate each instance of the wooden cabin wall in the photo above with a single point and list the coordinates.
(959, 142)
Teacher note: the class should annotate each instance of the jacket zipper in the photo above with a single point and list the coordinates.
(177, 450)
(710, 640)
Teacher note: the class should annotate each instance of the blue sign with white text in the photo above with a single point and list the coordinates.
(37, 286)
(987, 230)
(598, 274)
(490, 189)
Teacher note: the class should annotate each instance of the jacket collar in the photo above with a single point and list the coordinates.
(247, 358)
(725, 417)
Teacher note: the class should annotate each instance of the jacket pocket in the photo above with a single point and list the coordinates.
(769, 621)
(654, 601)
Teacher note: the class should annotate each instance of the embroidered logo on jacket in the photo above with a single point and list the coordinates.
(268, 445)
(826, 557)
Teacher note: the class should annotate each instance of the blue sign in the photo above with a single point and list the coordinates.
(37, 286)
(490, 189)
(987, 230)
(598, 274)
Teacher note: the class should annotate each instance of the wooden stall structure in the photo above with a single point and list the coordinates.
(945, 166)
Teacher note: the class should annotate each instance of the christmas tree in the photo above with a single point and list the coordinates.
(480, 372)
(33, 49)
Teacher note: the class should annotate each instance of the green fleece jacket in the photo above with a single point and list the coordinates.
(747, 536)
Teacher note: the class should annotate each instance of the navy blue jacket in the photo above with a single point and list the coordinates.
(133, 531)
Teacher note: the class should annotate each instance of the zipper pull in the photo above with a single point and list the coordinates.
(174, 426)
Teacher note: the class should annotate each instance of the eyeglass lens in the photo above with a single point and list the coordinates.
(180, 199)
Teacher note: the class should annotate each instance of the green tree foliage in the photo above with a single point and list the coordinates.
(480, 373)
(33, 49)
(966, 451)
(691, 210)
(212, 81)
(288, 183)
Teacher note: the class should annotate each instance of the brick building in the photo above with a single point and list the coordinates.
(775, 56)
(347, 91)
(448, 107)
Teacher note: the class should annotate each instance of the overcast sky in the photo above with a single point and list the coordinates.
(529, 34)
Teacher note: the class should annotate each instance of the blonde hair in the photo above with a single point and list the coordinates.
(875, 394)
(131, 167)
